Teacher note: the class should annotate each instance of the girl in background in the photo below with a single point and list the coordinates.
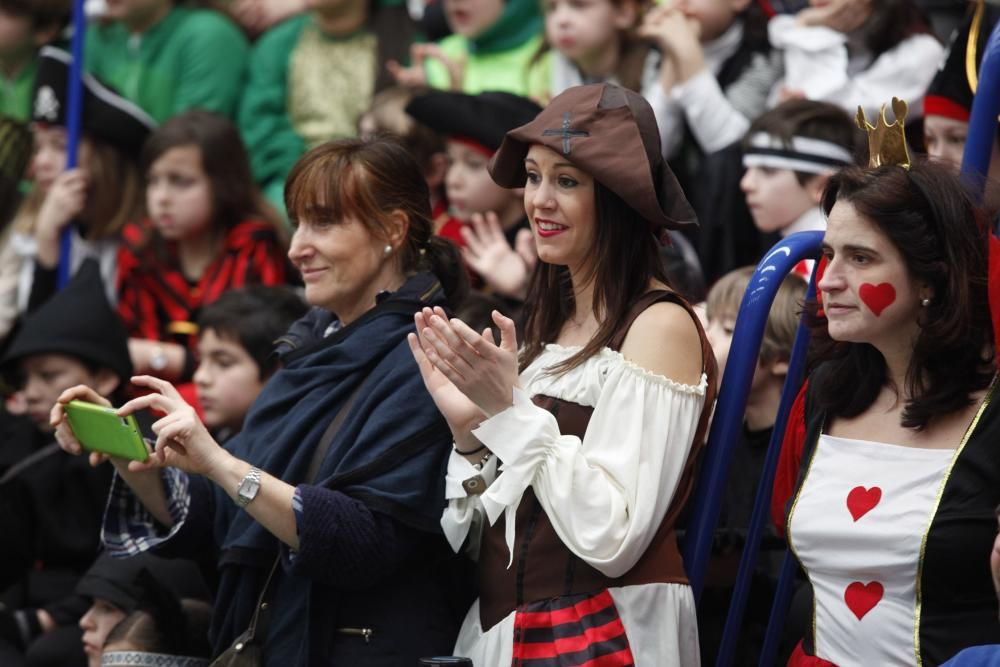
(100, 195)
(208, 230)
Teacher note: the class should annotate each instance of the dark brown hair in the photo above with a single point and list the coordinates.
(927, 213)
(41, 13)
(224, 158)
(891, 22)
(626, 260)
(368, 180)
(811, 119)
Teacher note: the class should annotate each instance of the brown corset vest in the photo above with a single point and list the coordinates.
(543, 567)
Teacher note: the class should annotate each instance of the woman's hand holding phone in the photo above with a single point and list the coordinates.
(182, 441)
(64, 432)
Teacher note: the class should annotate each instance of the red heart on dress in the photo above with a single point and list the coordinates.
(861, 599)
(877, 297)
(860, 500)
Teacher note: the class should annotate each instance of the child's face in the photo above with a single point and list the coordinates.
(471, 18)
(17, 35)
(775, 197)
(469, 185)
(714, 16)
(720, 335)
(179, 194)
(583, 29)
(227, 380)
(45, 376)
(100, 619)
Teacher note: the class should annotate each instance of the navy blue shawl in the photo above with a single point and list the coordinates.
(390, 451)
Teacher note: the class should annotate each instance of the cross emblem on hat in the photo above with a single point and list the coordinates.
(566, 132)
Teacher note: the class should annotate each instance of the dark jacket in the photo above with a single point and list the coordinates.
(373, 582)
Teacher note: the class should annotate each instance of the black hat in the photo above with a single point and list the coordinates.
(79, 322)
(484, 118)
(119, 580)
(106, 115)
(950, 93)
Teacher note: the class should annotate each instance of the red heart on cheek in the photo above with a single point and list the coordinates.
(861, 599)
(877, 297)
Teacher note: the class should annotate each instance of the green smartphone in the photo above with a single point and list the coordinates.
(100, 429)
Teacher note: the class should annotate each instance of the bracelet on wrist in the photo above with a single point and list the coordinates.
(471, 451)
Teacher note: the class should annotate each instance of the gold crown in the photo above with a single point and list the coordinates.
(886, 142)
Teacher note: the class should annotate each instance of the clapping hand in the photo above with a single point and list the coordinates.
(468, 374)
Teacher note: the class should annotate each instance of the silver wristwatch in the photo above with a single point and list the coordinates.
(248, 488)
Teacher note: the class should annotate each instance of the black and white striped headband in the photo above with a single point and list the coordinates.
(804, 154)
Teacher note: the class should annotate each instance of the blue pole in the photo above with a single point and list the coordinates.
(74, 121)
(728, 421)
(983, 123)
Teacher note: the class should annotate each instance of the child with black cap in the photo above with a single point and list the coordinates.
(121, 591)
(51, 503)
(487, 220)
(100, 195)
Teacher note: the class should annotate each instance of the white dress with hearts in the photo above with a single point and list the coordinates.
(858, 527)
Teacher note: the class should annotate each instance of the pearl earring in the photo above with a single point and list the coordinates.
(925, 302)
(388, 250)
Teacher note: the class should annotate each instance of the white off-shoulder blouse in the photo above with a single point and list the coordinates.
(605, 495)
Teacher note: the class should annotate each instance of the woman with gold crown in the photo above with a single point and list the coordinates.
(598, 418)
(889, 472)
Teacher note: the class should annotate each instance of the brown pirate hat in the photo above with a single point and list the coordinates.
(610, 132)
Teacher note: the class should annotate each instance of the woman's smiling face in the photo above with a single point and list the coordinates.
(559, 201)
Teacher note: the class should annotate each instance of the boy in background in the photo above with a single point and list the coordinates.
(789, 154)
(25, 27)
(748, 457)
(51, 503)
(237, 336)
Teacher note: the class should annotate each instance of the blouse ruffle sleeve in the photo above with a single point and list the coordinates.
(607, 494)
(463, 515)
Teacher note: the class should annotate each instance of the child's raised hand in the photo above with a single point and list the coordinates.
(64, 201)
(841, 15)
(488, 253)
(677, 36)
(415, 76)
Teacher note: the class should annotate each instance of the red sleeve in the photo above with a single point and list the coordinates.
(787, 472)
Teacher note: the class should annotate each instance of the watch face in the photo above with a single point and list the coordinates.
(248, 489)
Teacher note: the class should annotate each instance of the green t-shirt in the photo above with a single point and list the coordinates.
(15, 94)
(193, 58)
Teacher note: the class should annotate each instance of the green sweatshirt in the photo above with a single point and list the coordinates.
(193, 58)
(305, 87)
(15, 94)
(509, 71)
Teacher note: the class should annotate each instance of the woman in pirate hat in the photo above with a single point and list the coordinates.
(574, 454)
